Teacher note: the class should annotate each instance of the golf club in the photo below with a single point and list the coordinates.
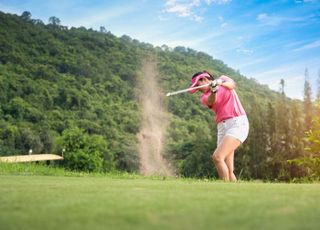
(186, 90)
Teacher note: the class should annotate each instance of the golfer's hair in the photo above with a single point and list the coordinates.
(196, 74)
(210, 78)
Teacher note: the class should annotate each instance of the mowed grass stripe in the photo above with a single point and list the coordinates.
(50, 202)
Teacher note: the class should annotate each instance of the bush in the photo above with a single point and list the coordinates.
(311, 166)
(84, 152)
(81, 160)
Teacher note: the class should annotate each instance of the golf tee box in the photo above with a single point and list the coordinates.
(30, 158)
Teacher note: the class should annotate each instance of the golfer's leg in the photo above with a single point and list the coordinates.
(226, 147)
(221, 167)
(230, 164)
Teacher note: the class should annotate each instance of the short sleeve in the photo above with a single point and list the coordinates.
(226, 78)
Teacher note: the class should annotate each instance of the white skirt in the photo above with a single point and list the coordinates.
(237, 127)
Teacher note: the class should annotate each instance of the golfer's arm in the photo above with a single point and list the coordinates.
(229, 84)
(211, 100)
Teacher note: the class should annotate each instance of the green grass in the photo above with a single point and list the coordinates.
(41, 169)
(111, 202)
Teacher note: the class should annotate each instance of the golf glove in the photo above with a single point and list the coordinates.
(219, 81)
(214, 89)
(216, 82)
(215, 85)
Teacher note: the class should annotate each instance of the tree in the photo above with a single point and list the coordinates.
(37, 22)
(17, 108)
(26, 15)
(282, 84)
(311, 163)
(103, 29)
(318, 89)
(313, 136)
(54, 21)
(317, 108)
(271, 132)
(126, 38)
(307, 102)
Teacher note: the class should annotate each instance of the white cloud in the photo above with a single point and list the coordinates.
(268, 20)
(251, 62)
(244, 51)
(220, 2)
(223, 25)
(197, 18)
(293, 44)
(191, 42)
(274, 20)
(262, 17)
(305, 1)
(183, 8)
(312, 45)
(186, 8)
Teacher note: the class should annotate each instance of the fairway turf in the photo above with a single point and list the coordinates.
(57, 202)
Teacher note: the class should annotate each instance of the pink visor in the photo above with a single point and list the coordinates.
(195, 81)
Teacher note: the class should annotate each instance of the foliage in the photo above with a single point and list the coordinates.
(313, 137)
(52, 79)
(307, 103)
(311, 164)
(83, 152)
(56, 82)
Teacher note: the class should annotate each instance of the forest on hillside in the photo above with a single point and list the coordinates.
(75, 89)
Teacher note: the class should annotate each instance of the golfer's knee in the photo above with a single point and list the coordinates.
(217, 158)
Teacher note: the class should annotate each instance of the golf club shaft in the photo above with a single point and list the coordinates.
(186, 90)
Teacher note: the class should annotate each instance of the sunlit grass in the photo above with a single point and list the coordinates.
(71, 200)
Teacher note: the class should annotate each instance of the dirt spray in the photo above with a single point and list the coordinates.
(154, 123)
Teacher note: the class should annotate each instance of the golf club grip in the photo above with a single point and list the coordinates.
(186, 90)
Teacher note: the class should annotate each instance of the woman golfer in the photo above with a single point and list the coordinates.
(231, 119)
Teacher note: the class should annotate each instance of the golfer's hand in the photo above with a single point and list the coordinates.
(219, 81)
(216, 82)
(213, 83)
(214, 88)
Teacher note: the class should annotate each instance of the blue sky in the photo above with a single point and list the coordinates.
(264, 40)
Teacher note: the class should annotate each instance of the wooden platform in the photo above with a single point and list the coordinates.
(29, 158)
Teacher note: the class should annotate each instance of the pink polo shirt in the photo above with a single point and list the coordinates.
(227, 104)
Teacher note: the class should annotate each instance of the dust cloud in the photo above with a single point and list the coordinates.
(154, 123)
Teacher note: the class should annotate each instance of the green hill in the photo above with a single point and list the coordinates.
(64, 85)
